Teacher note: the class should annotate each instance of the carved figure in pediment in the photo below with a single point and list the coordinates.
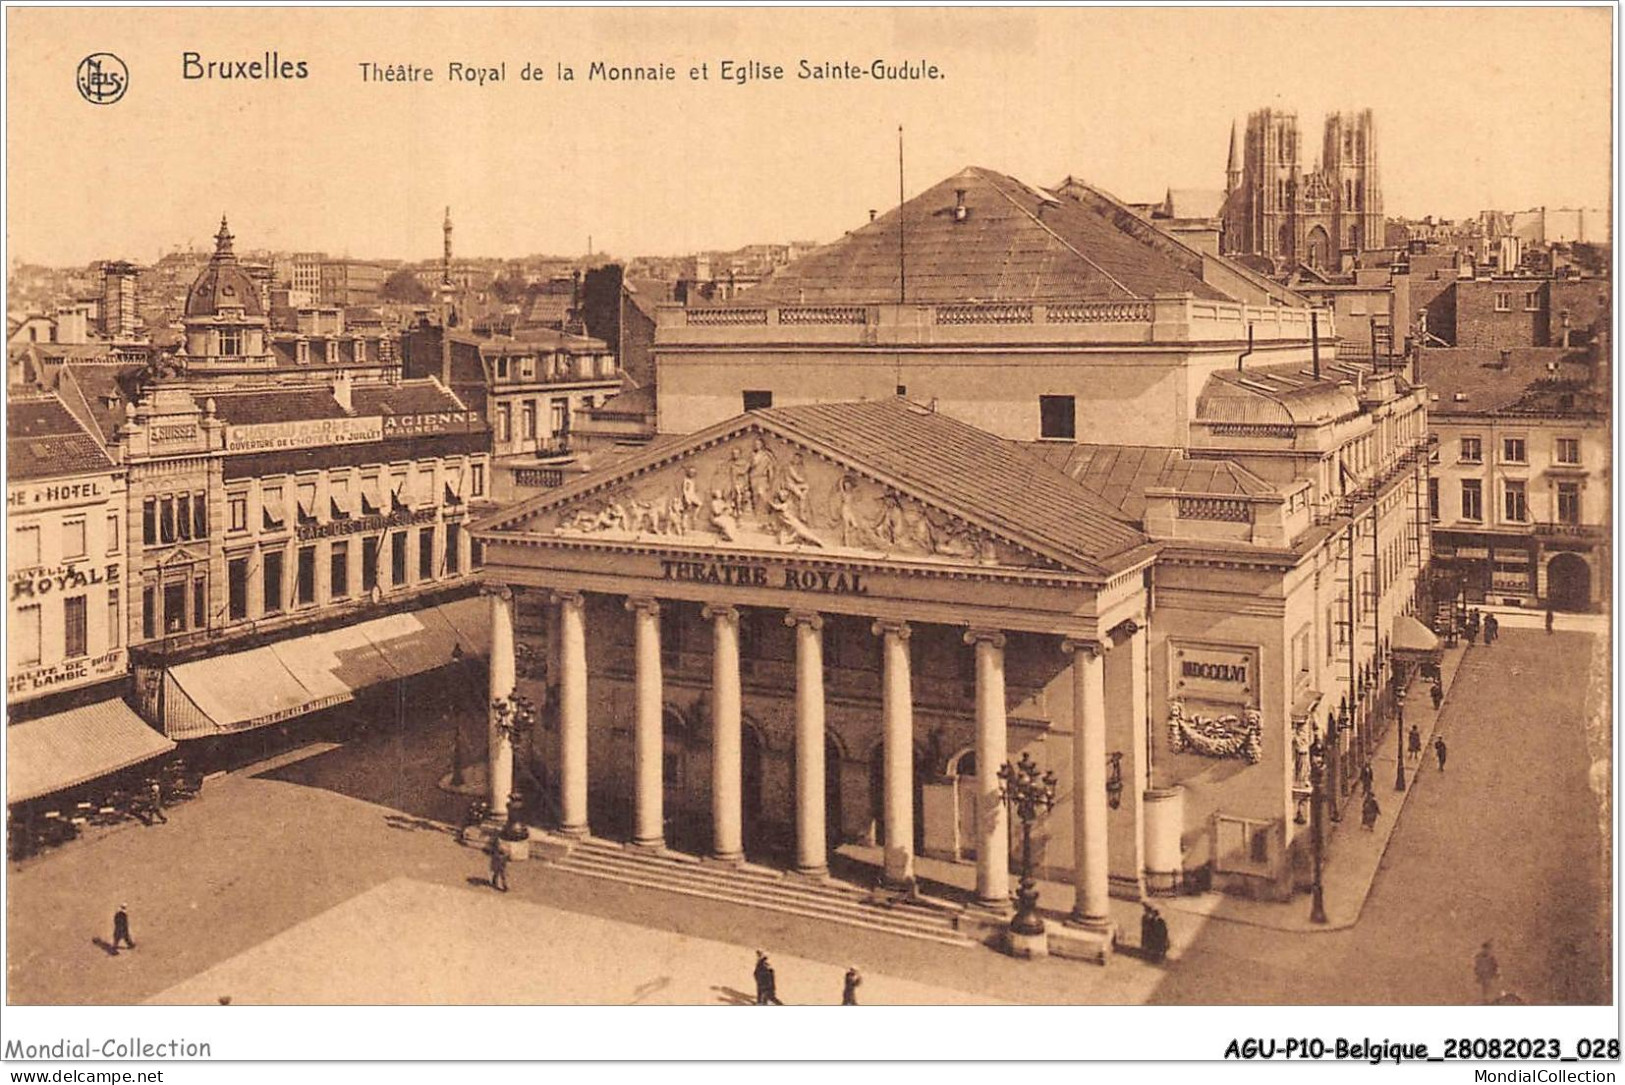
(722, 516)
(688, 499)
(853, 531)
(761, 474)
(675, 523)
(795, 480)
(643, 516)
(917, 531)
(612, 517)
(791, 527)
(739, 481)
(891, 527)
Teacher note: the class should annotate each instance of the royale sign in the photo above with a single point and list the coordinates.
(36, 582)
(69, 671)
(312, 433)
(739, 574)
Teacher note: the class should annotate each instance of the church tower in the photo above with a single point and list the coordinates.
(1349, 158)
(1271, 168)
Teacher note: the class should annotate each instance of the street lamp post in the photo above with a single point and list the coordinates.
(1317, 808)
(1031, 795)
(1399, 738)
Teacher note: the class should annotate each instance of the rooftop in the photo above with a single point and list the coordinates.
(45, 440)
(986, 237)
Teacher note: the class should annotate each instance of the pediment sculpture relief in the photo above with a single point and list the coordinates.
(764, 493)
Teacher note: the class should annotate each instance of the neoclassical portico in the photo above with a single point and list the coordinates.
(799, 518)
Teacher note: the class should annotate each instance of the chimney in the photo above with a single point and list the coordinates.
(873, 214)
(961, 212)
(341, 389)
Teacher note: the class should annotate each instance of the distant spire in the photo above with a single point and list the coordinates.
(223, 239)
(1232, 169)
(445, 260)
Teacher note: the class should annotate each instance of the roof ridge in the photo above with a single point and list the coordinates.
(1064, 242)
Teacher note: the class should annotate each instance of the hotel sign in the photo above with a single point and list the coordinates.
(38, 581)
(311, 433)
(69, 671)
(50, 494)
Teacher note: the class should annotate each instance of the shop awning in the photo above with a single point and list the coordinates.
(243, 690)
(1413, 638)
(57, 752)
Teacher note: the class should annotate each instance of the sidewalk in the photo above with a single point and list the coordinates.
(1353, 855)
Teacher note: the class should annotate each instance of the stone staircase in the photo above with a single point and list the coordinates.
(826, 900)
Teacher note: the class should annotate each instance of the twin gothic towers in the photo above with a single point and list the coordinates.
(1274, 209)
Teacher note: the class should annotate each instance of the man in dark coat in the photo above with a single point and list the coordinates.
(1439, 751)
(1551, 617)
(1492, 629)
(121, 928)
(155, 802)
(1367, 778)
(1415, 742)
(767, 987)
(1157, 948)
(1438, 694)
(849, 991)
(1370, 812)
(499, 867)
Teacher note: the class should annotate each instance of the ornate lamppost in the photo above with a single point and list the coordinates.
(1030, 795)
(1317, 808)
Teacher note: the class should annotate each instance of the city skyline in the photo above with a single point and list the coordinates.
(539, 168)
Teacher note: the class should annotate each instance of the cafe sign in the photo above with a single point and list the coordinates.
(309, 433)
(1213, 672)
(70, 672)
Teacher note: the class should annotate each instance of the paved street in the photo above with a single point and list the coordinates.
(249, 889)
(1506, 844)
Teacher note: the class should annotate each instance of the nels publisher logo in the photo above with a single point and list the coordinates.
(102, 78)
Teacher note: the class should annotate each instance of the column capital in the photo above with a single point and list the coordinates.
(720, 612)
(887, 627)
(989, 636)
(643, 603)
(1125, 629)
(1094, 649)
(805, 617)
(567, 598)
(501, 591)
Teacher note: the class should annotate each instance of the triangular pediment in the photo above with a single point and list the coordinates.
(745, 486)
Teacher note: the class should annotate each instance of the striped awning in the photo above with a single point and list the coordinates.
(60, 751)
(243, 690)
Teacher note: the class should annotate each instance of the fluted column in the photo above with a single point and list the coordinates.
(649, 828)
(1091, 905)
(992, 831)
(727, 789)
(810, 842)
(499, 750)
(572, 713)
(897, 714)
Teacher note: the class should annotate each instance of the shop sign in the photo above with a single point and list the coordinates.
(47, 494)
(360, 524)
(68, 671)
(311, 433)
(1219, 673)
(417, 425)
(33, 583)
(1473, 553)
(745, 574)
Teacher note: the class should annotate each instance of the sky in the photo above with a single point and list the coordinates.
(1475, 108)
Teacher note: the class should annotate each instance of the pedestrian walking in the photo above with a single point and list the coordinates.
(1439, 751)
(1415, 743)
(767, 986)
(1551, 617)
(1438, 694)
(1157, 948)
(155, 802)
(1472, 635)
(1492, 629)
(499, 867)
(1488, 971)
(1367, 778)
(121, 928)
(849, 990)
(1369, 812)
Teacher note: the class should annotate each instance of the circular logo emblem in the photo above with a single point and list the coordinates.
(102, 78)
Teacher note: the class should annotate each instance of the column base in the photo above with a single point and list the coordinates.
(574, 832)
(995, 906)
(905, 885)
(814, 873)
(727, 858)
(1084, 942)
(656, 844)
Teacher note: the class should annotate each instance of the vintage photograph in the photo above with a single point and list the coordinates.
(804, 507)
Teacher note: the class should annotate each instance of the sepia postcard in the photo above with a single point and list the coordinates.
(1087, 533)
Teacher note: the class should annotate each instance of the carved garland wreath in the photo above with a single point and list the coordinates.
(1223, 736)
